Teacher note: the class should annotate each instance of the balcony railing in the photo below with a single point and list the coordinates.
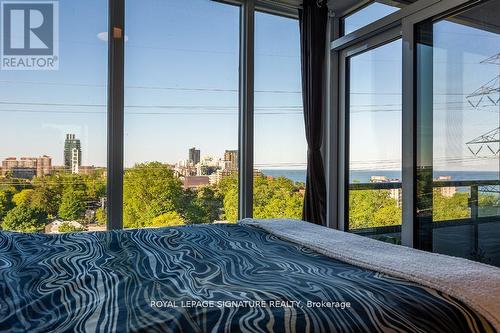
(474, 186)
(473, 203)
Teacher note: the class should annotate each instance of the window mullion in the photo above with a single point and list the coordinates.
(116, 38)
(246, 109)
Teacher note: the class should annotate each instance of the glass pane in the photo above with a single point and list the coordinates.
(280, 143)
(458, 125)
(366, 15)
(375, 142)
(181, 113)
(53, 128)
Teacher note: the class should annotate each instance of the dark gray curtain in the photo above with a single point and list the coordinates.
(313, 19)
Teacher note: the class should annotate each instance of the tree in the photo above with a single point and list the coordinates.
(75, 182)
(277, 198)
(23, 197)
(228, 189)
(101, 217)
(47, 193)
(203, 205)
(4, 204)
(25, 219)
(150, 190)
(68, 227)
(273, 198)
(388, 214)
(95, 185)
(168, 220)
(489, 204)
(373, 208)
(72, 205)
(450, 208)
(13, 185)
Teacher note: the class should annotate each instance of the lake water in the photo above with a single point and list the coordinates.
(365, 175)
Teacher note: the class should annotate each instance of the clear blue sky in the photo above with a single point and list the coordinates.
(182, 81)
(184, 45)
(376, 83)
(367, 15)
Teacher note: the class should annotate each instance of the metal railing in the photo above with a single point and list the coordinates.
(375, 186)
(474, 186)
(490, 186)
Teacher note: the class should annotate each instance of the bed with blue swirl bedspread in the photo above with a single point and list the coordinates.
(149, 280)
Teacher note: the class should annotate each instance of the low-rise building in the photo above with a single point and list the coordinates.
(195, 181)
(23, 173)
(53, 227)
(394, 193)
(27, 167)
(447, 192)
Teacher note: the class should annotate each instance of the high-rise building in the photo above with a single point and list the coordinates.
(72, 153)
(231, 160)
(194, 156)
(75, 160)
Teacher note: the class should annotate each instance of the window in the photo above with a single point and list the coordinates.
(279, 146)
(181, 113)
(458, 134)
(53, 131)
(366, 15)
(375, 136)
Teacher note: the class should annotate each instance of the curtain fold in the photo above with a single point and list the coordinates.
(313, 18)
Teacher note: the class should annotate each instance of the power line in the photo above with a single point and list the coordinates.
(199, 113)
(150, 87)
(216, 107)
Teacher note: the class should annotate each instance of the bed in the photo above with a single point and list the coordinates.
(255, 276)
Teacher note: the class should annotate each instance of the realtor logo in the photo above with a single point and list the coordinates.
(30, 35)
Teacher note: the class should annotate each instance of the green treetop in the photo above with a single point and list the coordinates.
(67, 227)
(150, 190)
(25, 219)
(72, 205)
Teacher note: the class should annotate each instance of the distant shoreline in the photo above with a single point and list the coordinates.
(363, 176)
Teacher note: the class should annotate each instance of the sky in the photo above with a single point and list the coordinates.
(366, 15)
(375, 98)
(181, 78)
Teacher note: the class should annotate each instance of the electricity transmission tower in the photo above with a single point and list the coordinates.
(486, 96)
(488, 141)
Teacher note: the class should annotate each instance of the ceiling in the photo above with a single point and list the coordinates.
(484, 17)
(341, 7)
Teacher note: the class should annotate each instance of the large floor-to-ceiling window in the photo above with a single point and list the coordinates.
(177, 114)
(181, 113)
(53, 88)
(280, 148)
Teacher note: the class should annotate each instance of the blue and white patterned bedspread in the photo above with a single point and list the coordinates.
(206, 278)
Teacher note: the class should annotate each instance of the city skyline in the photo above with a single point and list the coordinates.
(197, 103)
(174, 100)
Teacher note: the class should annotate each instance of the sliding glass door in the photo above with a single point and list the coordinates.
(373, 136)
(419, 124)
(458, 126)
